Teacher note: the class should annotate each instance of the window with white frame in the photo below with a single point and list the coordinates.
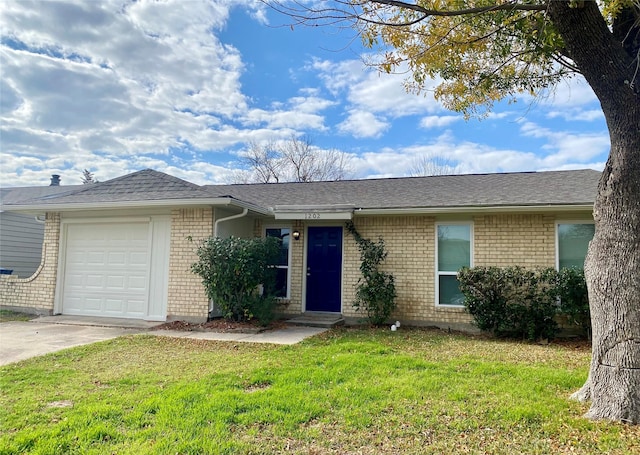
(282, 263)
(453, 251)
(572, 240)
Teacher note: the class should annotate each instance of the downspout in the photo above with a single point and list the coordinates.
(215, 234)
(39, 220)
(229, 218)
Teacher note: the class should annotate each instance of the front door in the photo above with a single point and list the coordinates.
(324, 269)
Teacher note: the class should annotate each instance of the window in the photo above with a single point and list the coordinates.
(572, 243)
(453, 251)
(282, 264)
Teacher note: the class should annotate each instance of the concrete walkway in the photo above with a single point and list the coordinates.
(288, 335)
(23, 340)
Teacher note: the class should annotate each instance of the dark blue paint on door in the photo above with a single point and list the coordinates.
(324, 269)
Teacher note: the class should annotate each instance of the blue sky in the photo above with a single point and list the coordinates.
(184, 86)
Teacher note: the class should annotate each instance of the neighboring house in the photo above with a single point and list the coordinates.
(21, 235)
(124, 247)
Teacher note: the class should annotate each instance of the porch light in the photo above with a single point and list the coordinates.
(296, 235)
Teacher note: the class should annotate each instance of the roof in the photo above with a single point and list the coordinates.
(440, 193)
(13, 195)
(470, 190)
(146, 185)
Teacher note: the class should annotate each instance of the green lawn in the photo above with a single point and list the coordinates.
(7, 316)
(355, 391)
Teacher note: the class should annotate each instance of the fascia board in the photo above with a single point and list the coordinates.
(314, 212)
(314, 215)
(73, 207)
(476, 209)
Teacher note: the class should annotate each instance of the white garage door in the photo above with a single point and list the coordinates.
(107, 269)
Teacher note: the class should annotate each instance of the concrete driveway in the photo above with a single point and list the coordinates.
(22, 340)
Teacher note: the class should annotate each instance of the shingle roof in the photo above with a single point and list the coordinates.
(14, 195)
(473, 190)
(145, 185)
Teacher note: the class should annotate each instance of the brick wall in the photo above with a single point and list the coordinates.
(499, 239)
(36, 294)
(410, 243)
(513, 239)
(186, 297)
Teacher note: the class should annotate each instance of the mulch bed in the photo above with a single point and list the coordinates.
(220, 325)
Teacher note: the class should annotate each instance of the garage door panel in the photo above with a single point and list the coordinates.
(136, 306)
(138, 258)
(114, 305)
(92, 258)
(107, 269)
(117, 258)
(116, 282)
(94, 282)
(137, 283)
(92, 304)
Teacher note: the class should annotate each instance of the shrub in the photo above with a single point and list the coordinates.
(574, 298)
(511, 301)
(233, 270)
(375, 290)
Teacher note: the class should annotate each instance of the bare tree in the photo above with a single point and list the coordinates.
(294, 160)
(431, 164)
(264, 161)
(87, 177)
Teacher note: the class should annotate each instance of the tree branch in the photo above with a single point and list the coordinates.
(511, 6)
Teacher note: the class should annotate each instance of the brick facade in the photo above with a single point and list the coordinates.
(498, 240)
(513, 239)
(36, 293)
(410, 242)
(186, 298)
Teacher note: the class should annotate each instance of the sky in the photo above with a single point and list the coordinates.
(185, 86)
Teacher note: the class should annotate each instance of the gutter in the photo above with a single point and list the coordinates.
(70, 207)
(475, 209)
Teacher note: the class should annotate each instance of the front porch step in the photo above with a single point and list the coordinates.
(323, 320)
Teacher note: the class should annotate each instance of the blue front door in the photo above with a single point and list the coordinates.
(324, 268)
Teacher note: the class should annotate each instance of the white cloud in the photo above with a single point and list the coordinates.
(574, 92)
(367, 89)
(571, 115)
(150, 73)
(567, 147)
(438, 121)
(363, 124)
(129, 78)
(471, 157)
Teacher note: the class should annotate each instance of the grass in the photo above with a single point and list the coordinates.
(355, 391)
(7, 316)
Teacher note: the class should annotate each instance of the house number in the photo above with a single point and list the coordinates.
(311, 216)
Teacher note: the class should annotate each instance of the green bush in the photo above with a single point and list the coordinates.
(574, 299)
(238, 276)
(511, 301)
(375, 290)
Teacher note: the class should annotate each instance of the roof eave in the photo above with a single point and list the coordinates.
(475, 209)
(114, 205)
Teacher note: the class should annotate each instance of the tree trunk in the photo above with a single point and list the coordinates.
(612, 267)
